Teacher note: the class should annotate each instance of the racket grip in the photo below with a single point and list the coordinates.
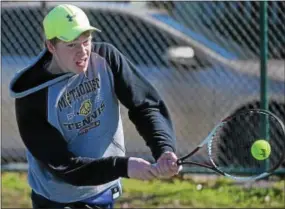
(180, 167)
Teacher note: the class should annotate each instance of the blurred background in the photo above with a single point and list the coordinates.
(203, 57)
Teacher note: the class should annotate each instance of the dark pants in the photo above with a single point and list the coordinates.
(39, 201)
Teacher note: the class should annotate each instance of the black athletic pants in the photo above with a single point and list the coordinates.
(39, 201)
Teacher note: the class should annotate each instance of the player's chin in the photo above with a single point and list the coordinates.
(80, 69)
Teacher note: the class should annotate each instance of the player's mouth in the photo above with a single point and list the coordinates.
(82, 62)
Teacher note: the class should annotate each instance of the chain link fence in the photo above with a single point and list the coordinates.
(203, 57)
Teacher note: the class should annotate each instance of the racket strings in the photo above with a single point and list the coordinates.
(230, 147)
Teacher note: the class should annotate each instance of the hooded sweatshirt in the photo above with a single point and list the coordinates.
(72, 128)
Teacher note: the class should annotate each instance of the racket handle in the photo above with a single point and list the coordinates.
(180, 166)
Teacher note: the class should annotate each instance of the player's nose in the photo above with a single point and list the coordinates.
(82, 50)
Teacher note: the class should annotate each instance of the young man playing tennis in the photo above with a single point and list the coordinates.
(67, 109)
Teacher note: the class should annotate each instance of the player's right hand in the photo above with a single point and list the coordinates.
(141, 169)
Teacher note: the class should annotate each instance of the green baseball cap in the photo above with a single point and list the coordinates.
(66, 22)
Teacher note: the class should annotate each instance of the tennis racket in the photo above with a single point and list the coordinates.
(232, 150)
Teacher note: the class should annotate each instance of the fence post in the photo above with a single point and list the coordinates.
(44, 11)
(263, 71)
(263, 59)
(263, 54)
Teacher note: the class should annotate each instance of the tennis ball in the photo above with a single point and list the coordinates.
(260, 149)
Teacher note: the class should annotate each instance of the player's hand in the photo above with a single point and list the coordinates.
(141, 169)
(166, 165)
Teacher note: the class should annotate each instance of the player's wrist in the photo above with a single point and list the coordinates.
(163, 150)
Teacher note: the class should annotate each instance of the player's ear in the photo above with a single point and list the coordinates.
(50, 46)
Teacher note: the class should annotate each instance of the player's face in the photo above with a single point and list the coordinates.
(73, 56)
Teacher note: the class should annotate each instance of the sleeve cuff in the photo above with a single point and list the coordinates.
(121, 165)
(162, 150)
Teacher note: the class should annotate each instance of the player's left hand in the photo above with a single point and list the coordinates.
(166, 165)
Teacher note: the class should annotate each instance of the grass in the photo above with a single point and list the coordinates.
(177, 192)
(15, 191)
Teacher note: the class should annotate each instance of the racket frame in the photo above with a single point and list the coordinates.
(207, 140)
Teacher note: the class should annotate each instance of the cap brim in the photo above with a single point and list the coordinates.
(75, 32)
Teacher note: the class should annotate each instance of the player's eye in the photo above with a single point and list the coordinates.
(86, 42)
(71, 45)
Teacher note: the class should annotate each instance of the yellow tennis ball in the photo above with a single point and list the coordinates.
(260, 149)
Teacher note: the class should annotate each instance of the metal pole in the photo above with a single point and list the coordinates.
(263, 62)
(44, 12)
(263, 54)
(263, 70)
